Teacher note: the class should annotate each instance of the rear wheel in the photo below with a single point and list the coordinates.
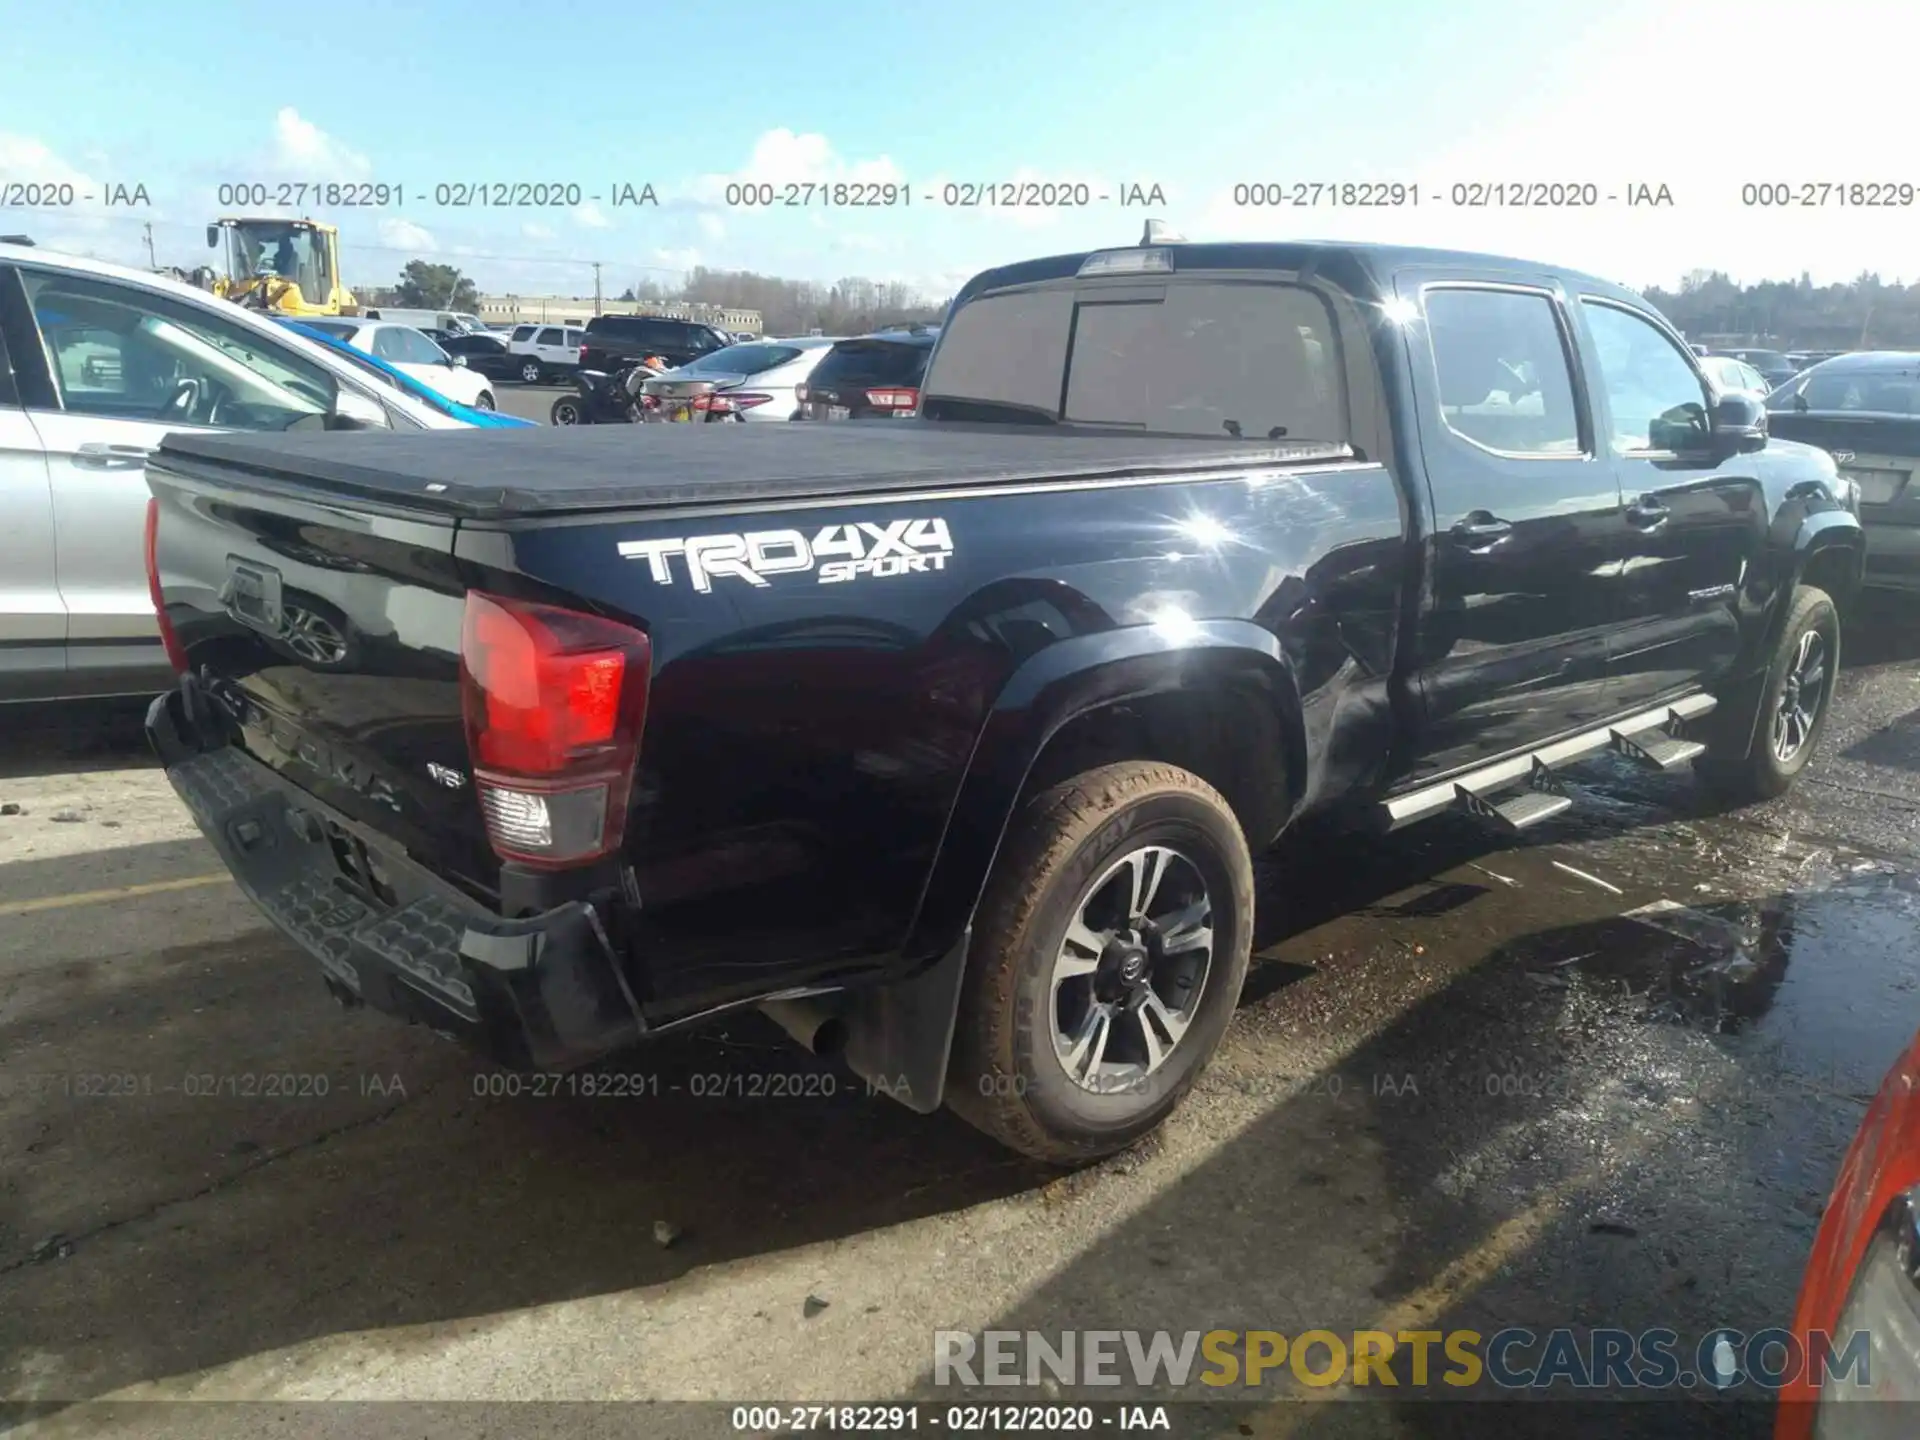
(530, 372)
(1760, 760)
(1106, 961)
(566, 411)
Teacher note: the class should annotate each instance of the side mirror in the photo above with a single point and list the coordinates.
(1739, 425)
(459, 362)
(354, 411)
(213, 237)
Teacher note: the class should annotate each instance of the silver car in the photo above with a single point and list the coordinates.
(741, 383)
(97, 363)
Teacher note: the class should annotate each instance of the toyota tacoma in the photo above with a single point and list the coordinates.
(949, 742)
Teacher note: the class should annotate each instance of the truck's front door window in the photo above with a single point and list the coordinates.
(1655, 396)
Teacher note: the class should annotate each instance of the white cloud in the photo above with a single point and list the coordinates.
(22, 157)
(84, 226)
(780, 157)
(399, 234)
(590, 216)
(713, 227)
(534, 230)
(682, 259)
(303, 151)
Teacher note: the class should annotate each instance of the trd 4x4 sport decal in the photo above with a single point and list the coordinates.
(834, 552)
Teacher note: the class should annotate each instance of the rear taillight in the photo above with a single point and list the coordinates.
(176, 656)
(901, 398)
(583, 355)
(731, 403)
(555, 702)
(800, 393)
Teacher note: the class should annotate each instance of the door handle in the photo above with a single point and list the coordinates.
(1480, 528)
(1647, 513)
(96, 456)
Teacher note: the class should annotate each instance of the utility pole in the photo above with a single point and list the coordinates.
(153, 263)
(596, 287)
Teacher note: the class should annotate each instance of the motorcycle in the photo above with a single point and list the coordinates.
(607, 397)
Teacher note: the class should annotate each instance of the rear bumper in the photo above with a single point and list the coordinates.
(545, 992)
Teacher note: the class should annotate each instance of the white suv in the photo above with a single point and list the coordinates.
(545, 351)
(97, 363)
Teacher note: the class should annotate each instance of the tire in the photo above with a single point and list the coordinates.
(1009, 1073)
(484, 400)
(1761, 750)
(566, 411)
(530, 372)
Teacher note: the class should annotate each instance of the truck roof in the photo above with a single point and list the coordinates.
(1360, 268)
(504, 474)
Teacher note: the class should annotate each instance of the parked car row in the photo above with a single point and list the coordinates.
(814, 377)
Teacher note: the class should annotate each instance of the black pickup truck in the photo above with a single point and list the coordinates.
(948, 742)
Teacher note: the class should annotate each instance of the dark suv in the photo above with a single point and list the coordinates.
(612, 340)
(875, 375)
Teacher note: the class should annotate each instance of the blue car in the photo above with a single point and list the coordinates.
(424, 394)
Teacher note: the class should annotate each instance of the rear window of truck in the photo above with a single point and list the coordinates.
(1195, 358)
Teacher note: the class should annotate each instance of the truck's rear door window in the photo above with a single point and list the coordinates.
(1203, 358)
(1505, 382)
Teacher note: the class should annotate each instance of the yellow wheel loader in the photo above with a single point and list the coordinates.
(288, 267)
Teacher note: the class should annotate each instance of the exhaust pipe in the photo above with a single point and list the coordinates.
(813, 1027)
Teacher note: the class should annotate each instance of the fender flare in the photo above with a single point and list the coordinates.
(1066, 682)
(1818, 533)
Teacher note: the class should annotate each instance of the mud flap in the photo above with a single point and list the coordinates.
(899, 1036)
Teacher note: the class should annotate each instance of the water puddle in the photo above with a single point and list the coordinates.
(1828, 978)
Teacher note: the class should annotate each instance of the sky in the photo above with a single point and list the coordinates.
(1199, 109)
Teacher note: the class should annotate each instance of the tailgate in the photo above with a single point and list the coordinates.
(332, 635)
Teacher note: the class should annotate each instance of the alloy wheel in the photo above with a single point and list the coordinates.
(1801, 698)
(1130, 972)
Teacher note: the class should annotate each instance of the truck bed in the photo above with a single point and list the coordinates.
(505, 474)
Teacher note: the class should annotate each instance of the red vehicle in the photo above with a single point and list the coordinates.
(1864, 1274)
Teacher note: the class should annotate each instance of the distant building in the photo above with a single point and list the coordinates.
(578, 309)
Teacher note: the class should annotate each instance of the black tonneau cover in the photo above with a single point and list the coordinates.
(484, 474)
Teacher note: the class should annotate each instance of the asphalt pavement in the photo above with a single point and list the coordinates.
(1601, 1076)
(529, 402)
